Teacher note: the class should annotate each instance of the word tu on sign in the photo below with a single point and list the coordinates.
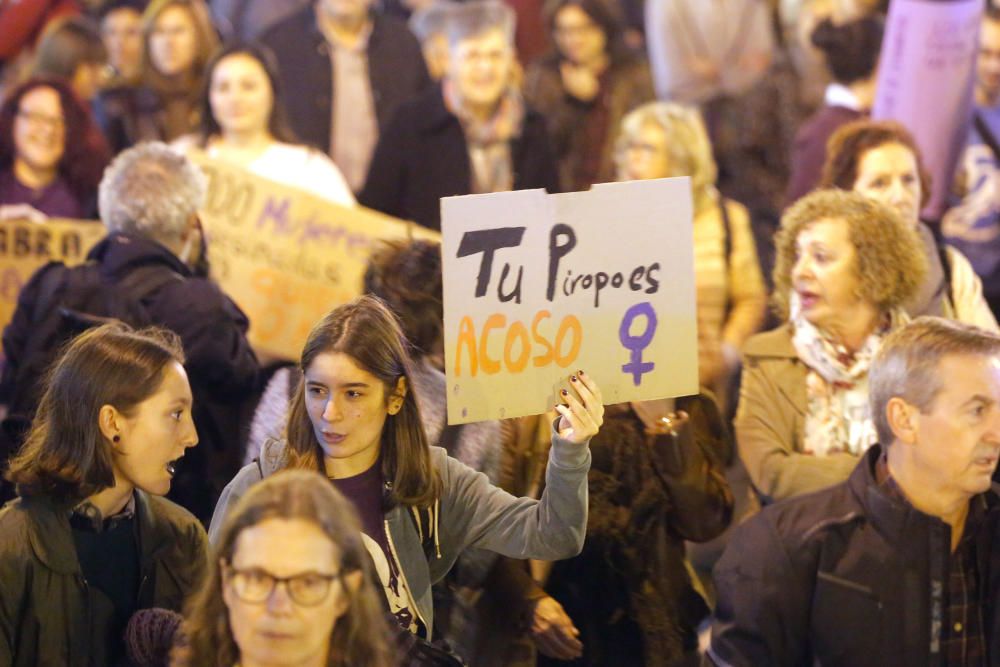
(519, 347)
(562, 240)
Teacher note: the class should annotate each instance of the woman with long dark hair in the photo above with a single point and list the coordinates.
(52, 155)
(355, 418)
(585, 87)
(243, 122)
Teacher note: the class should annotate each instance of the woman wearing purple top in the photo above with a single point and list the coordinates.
(51, 154)
(354, 417)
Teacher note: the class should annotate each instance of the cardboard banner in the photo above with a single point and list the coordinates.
(926, 75)
(27, 246)
(285, 256)
(538, 286)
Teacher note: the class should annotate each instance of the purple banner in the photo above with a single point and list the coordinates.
(925, 81)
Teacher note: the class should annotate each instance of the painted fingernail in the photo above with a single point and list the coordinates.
(572, 378)
(564, 392)
(579, 372)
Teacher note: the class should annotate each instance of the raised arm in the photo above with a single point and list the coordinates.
(476, 513)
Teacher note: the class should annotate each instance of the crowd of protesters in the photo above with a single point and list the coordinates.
(175, 498)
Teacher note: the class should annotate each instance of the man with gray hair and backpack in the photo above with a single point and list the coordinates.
(151, 268)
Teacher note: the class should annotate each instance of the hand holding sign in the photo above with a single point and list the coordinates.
(583, 416)
(536, 285)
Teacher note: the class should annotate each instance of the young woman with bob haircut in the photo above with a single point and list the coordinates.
(325, 615)
(355, 418)
(91, 541)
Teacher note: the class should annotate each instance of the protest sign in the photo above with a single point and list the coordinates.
(926, 74)
(27, 246)
(285, 256)
(538, 286)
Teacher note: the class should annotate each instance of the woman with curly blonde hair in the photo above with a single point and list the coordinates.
(845, 267)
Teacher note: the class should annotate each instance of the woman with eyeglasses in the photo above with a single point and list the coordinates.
(52, 155)
(290, 584)
(663, 140)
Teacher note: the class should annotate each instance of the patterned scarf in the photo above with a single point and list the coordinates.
(489, 141)
(837, 415)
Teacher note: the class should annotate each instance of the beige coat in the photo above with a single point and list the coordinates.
(770, 422)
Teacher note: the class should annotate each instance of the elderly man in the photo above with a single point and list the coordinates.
(897, 565)
(153, 253)
(347, 71)
(470, 135)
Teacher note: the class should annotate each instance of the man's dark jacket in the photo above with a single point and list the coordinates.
(221, 366)
(49, 615)
(422, 156)
(396, 70)
(846, 576)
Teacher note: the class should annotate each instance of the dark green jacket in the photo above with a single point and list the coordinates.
(48, 614)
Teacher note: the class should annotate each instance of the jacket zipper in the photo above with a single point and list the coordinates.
(90, 617)
(402, 574)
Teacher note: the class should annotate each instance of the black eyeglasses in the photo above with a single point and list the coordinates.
(255, 585)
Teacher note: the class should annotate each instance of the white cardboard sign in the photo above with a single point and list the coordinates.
(538, 286)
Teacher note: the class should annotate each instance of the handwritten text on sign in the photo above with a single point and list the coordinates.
(27, 246)
(537, 286)
(929, 53)
(286, 257)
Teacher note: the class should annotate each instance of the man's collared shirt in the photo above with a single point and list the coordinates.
(962, 641)
(354, 126)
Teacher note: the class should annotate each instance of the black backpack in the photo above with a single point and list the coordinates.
(60, 302)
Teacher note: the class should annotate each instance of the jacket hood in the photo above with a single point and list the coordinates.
(118, 253)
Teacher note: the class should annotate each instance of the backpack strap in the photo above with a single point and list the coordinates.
(142, 281)
(727, 233)
(942, 249)
(50, 287)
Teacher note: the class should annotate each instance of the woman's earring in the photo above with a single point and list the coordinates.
(117, 438)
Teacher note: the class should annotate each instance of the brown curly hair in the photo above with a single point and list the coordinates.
(85, 154)
(890, 254)
(407, 276)
(849, 144)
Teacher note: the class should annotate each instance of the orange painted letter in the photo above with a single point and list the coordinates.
(569, 322)
(495, 321)
(541, 359)
(466, 336)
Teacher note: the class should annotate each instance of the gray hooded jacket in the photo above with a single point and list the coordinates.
(471, 512)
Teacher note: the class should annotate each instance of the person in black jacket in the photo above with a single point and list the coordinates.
(346, 71)
(900, 564)
(149, 197)
(472, 134)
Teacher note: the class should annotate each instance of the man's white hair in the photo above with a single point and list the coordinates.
(151, 190)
